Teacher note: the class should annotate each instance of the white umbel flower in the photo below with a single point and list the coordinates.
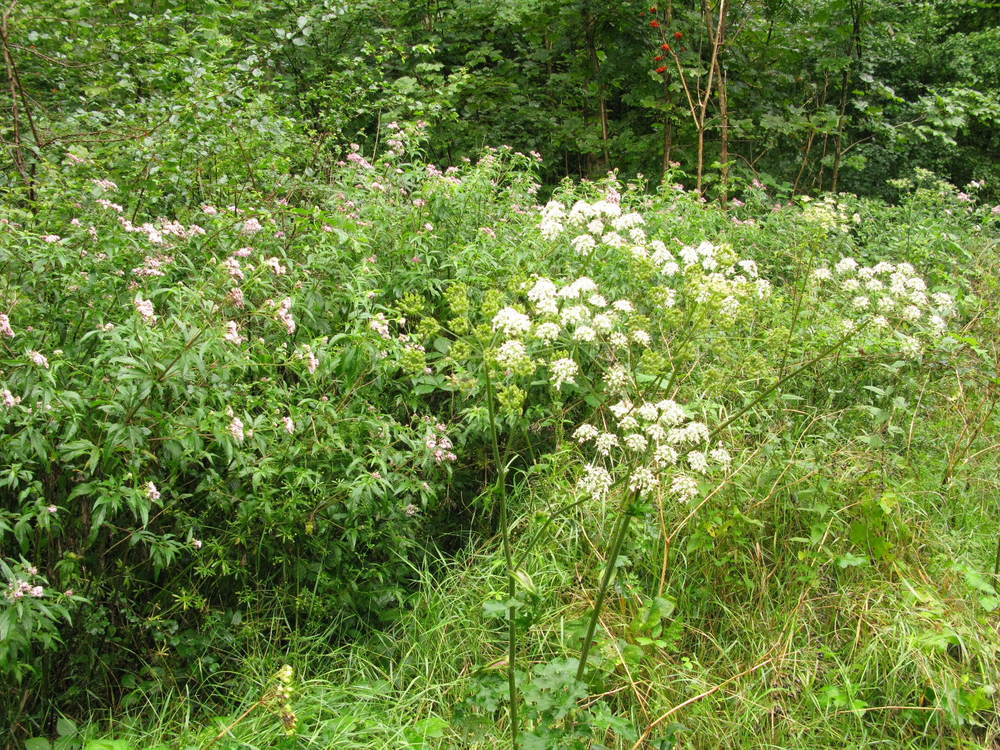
(511, 322)
(596, 481)
(563, 371)
(684, 487)
(642, 480)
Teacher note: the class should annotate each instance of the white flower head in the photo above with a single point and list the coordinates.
(605, 442)
(511, 354)
(563, 371)
(511, 322)
(636, 441)
(547, 332)
(697, 461)
(596, 481)
(684, 488)
(642, 480)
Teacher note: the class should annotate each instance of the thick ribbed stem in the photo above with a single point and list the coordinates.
(509, 561)
(609, 568)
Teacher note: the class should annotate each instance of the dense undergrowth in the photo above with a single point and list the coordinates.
(395, 426)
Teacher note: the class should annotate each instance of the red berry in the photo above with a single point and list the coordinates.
(665, 46)
(678, 35)
(655, 24)
(658, 58)
(662, 69)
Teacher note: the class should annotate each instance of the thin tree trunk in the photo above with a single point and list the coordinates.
(723, 110)
(595, 65)
(857, 8)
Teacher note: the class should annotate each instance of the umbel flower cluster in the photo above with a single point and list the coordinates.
(888, 304)
(648, 445)
(706, 274)
(575, 316)
(641, 444)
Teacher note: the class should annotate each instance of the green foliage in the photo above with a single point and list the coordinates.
(289, 361)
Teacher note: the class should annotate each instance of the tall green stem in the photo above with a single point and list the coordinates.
(509, 560)
(996, 560)
(609, 568)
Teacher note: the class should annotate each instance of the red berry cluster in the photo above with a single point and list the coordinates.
(665, 47)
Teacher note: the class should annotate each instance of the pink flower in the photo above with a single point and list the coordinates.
(275, 265)
(51, 238)
(236, 296)
(5, 328)
(232, 333)
(236, 429)
(106, 184)
(289, 425)
(429, 227)
(251, 226)
(234, 268)
(285, 315)
(196, 543)
(38, 358)
(151, 492)
(145, 309)
(52, 509)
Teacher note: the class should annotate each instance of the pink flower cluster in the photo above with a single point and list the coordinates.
(145, 309)
(5, 328)
(440, 445)
(285, 314)
(233, 333)
(380, 325)
(19, 589)
(236, 429)
(152, 265)
(251, 226)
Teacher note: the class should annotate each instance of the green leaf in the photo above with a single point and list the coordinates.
(850, 560)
